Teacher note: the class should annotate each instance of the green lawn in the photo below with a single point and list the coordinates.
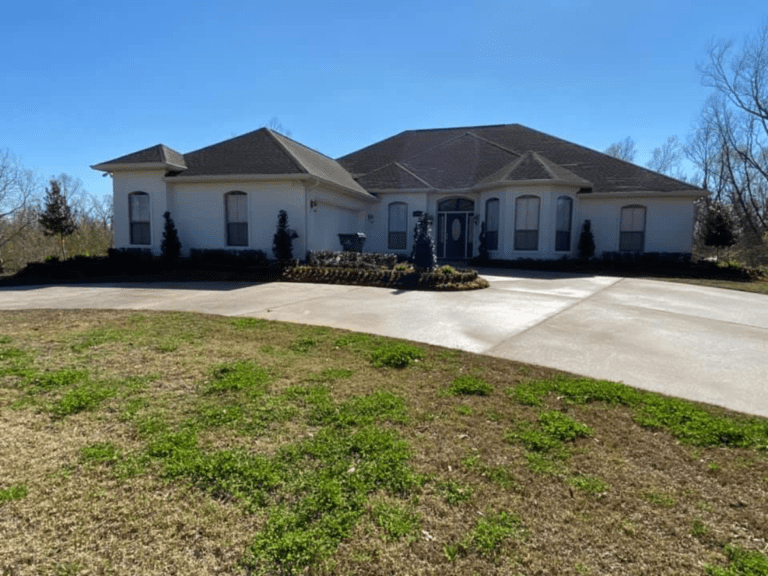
(158, 443)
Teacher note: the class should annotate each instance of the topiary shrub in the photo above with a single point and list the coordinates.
(171, 245)
(423, 254)
(282, 243)
(586, 241)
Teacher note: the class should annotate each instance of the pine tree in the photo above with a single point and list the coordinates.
(423, 254)
(718, 228)
(57, 219)
(282, 243)
(586, 241)
(171, 245)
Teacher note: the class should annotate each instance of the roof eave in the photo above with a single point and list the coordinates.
(649, 194)
(137, 166)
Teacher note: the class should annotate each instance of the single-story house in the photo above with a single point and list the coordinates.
(532, 191)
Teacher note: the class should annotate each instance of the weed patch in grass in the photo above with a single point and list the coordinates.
(487, 536)
(84, 397)
(589, 484)
(396, 355)
(396, 521)
(14, 492)
(453, 492)
(304, 345)
(248, 323)
(741, 562)
(99, 453)
(330, 375)
(660, 499)
(237, 376)
(470, 386)
(97, 337)
(57, 379)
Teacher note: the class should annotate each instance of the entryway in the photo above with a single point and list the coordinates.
(455, 228)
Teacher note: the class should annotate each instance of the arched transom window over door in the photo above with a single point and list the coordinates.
(398, 226)
(527, 223)
(138, 208)
(237, 218)
(632, 237)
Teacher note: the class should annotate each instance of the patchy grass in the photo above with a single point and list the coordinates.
(193, 444)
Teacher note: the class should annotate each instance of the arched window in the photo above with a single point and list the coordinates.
(237, 218)
(527, 223)
(138, 210)
(398, 226)
(563, 224)
(632, 237)
(492, 224)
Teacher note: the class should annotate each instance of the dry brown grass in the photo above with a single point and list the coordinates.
(669, 507)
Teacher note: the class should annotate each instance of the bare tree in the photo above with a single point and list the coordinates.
(623, 150)
(737, 117)
(18, 187)
(667, 157)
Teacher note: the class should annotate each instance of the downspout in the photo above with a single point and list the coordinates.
(307, 189)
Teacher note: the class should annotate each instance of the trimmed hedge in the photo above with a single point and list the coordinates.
(358, 260)
(400, 279)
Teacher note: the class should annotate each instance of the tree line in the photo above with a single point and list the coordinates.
(54, 219)
(727, 146)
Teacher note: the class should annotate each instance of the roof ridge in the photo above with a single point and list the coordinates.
(492, 143)
(281, 135)
(545, 163)
(299, 164)
(456, 128)
(419, 178)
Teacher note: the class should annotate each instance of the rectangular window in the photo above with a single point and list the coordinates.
(237, 219)
(563, 225)
(398, 226)
(632, 238)
(492, 224)
(527, 223)
(138, 205)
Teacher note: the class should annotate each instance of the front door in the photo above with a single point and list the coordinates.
(455, 235)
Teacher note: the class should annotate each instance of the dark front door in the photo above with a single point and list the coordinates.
(455, 235)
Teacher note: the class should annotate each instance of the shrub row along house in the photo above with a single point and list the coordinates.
(531, 191)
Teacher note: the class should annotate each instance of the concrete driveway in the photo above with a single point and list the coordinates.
(700, 343)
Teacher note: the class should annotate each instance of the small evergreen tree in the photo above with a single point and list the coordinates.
(423, 254)
(282, 243)
(718, 228)
(57, 219)
(171, 245)
(586, 241)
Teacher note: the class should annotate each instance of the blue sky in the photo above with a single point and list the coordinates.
(83, 82)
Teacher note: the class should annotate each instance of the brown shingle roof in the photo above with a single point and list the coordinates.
(158, 154)
(605, 173)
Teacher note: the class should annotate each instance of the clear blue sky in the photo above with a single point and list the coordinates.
(83, 81)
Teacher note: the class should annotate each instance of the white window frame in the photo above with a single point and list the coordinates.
(239, 217)
(563, 234)
(491, 226)
(632, 228)
(397, 239)
(139, 216)
(526, 224)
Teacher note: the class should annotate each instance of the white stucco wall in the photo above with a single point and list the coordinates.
(668, 226)
(150, 182)
(198, 210)
(379, 230)
(330, 214)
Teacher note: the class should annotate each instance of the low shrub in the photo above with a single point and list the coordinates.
(358, 260)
